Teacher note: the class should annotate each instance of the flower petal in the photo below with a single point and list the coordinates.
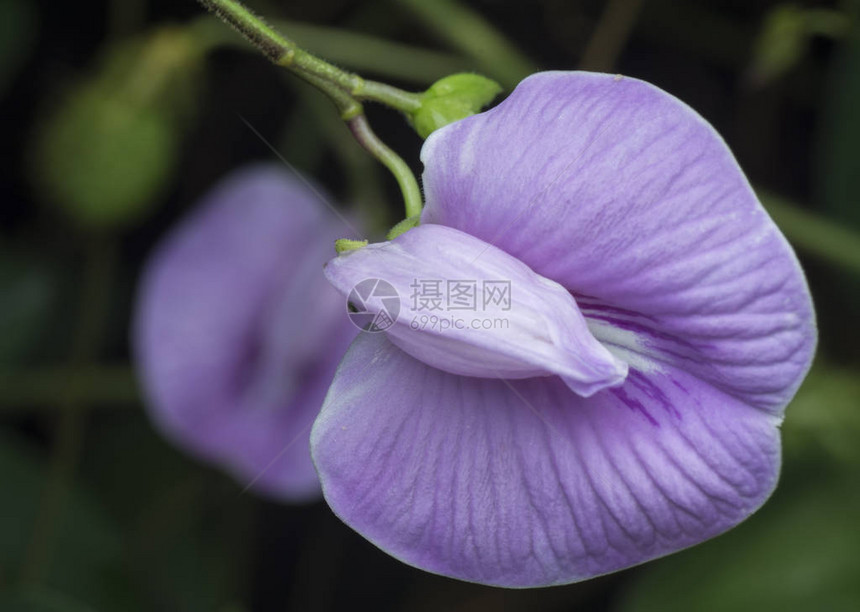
(627, 197)
(535, 329)
(524, 483)
(237, 334)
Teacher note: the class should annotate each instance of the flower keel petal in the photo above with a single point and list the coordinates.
(534, 328)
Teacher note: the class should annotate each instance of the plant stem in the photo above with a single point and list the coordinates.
(284, 52)
(370, 141)
(405, 101)
(361, 170)
(347, 105)
(395, 60)
(352, 112)
(345, 89)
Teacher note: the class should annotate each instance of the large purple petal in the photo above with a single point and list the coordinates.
(524, 483)
(237, 334)
(536, 329)
(627, 197)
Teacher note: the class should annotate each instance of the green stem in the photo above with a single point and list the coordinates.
(405, 101)
(344, 88)
(347, 105)
(352, 112)
(358, 51)
(284, 52)
(361, 170)
(253, 28)
(408, 185)
(373, 54)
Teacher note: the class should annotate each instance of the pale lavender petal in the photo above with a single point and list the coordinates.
(534, 329)
(237, 334)
(627, 197)
(524, 483)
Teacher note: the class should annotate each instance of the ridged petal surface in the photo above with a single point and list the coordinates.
(524, 483)
(627, 197)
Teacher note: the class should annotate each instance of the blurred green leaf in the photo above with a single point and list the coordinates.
(87, 545)
(785, 35)
(823, 419)
(109, 148)
(814, 233)
(799, 553)
(103, 160)
(453, 98)
(468, 32)
(17, 29)
(781, 43)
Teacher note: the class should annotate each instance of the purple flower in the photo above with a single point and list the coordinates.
(237, 334)
(623, 399)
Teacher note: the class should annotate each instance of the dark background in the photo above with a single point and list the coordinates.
(99, 513)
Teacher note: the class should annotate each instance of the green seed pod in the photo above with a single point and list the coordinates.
(108, 149)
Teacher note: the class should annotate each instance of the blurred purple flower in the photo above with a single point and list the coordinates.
(237, 334)
(658, 324)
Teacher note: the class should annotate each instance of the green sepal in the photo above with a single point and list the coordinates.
(345, 244)
(453, 98)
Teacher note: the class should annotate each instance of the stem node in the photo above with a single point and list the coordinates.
(287, 58)
(345, 89)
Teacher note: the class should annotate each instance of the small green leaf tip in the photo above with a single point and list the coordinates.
(453, 98)
(403, 227)
(345, 244)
